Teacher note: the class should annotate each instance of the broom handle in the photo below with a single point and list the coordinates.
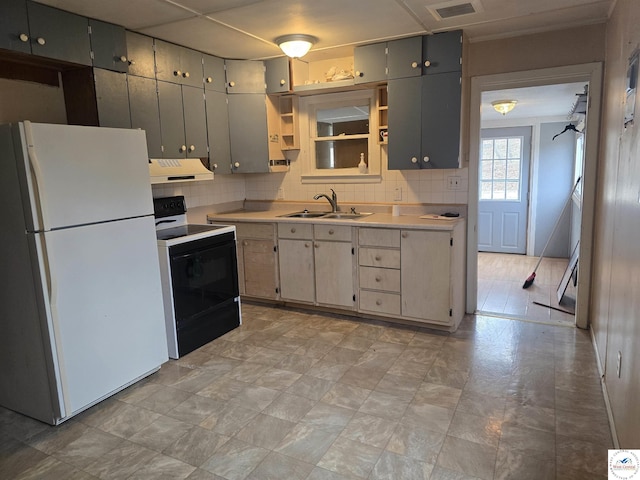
(555, 227)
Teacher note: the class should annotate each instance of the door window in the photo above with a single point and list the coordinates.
(501, 168)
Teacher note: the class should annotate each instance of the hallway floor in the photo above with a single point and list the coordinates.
(500, 292)
(295, 395)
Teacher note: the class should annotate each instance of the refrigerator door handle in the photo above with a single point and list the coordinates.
(38, 185)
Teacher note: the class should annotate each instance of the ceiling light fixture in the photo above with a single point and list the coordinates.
(504, 106)
(296, 45)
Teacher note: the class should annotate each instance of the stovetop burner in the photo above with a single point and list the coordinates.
(185, 230)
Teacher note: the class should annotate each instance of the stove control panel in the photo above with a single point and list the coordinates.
(169, 206)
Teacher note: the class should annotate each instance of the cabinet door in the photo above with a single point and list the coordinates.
(214, 75)
(245, 76)
(58, 34)
(143, 107)
(141, 56)
(248, 133)
(14, 26)
(404, 118)
(370, 63)
(334, 273)
(112, 98)
(278, 75)
(425, 272)
(218, 131)
(171, 120)
(109, 46)
(259, 261)
(404, 58)
(195, 121)
(296, 270)
(442, 52)
(191, 66)
(168, 62)
(440, 120)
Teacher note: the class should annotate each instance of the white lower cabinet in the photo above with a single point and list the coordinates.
(257, 260)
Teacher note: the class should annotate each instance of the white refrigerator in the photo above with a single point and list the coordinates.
(81, 313)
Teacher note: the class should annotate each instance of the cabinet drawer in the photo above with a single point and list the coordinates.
(380, 279)
(254, 230)
(295, 230)
(380, 302)
(379, 257)
(332, 232)
(379, 237)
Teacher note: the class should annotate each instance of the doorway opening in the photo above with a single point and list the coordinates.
(522, 170)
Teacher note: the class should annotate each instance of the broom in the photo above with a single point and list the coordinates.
(529, 281)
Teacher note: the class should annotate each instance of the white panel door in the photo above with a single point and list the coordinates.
(504, 189)
(84, 175)
(106, 307)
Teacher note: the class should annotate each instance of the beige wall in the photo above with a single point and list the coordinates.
(616, 289)
(31, 101)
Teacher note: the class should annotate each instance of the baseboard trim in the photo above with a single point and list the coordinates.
(605, 392)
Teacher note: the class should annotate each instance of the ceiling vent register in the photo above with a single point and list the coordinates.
(447, 10)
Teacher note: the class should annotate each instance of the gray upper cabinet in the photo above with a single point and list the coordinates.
(58, 34)
(218, 131)
(278, 75)
(404, 121)
(112, 98)
(195, 121)
(140, 55)
(171, 120)
(214, 74)
(248, 133)
(178, 64)
(370, 63)
(109, 46)
(404, 58)
(245, 76)
(442, 52)
(143, 107)
(14, 26)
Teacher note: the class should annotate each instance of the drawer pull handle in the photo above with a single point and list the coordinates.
(378, 258)
(331, 232)
(378, 302)
(293, 230)
(378, 279)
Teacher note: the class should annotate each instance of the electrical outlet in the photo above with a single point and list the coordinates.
(280, 193)
(397, 194)
(619, 364)
(454, 182)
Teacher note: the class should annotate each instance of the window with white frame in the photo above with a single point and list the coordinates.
(501, 168)
(342, 130)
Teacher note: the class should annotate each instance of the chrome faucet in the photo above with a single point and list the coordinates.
(333, 200)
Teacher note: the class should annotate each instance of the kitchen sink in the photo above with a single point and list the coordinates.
(346, 216)
(304, 214)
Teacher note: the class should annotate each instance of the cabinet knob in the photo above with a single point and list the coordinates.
(414, 160)
(427, 63)
(245, 243)
(209, 79)
(24, 37)
(214, 166)
(183, 148)
(405, 234)
(236, 165)
(232, 84)
(41, 41)
(177, 73)
(378, 279)
(316, 245)
(414, 64)
(132, 62)
(293, 230)
(306, 245)
(123, 59)
(359, 73)
(192, 148)
(378, 258)
(283, 81)
(378, 302)
(185, 75)
(426, 159)
(331, 232)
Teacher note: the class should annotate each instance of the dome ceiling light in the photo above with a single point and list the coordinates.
(296, 45)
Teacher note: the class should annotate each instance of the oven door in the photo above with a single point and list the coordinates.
(205, 289)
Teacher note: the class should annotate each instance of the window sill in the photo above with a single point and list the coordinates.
(349, 178)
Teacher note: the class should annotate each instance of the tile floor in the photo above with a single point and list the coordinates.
(500, 280)
(293, 395)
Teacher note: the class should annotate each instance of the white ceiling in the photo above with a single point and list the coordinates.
(246, 29)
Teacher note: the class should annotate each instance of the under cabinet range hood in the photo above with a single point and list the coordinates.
(170, 170)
